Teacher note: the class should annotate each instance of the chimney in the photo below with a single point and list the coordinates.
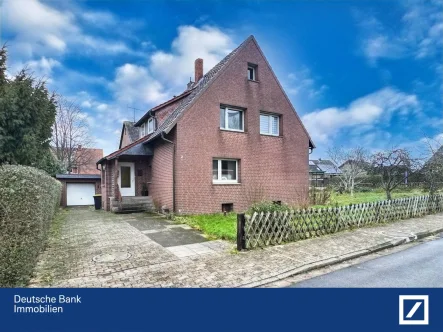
(198, 69)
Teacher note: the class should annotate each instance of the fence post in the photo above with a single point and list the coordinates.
(241, 232)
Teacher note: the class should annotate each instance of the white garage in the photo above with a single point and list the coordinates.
(79, 189)
(80, 194)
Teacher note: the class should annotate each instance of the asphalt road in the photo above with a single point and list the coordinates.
(418, 266)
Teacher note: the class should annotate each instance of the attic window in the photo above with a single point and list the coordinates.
(151, 125)
(252, 72)
(143, 130)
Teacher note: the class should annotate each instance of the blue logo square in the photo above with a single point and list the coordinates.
(414, 309)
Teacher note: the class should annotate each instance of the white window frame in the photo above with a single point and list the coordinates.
(151, 130)
(219, 169)
(270, 116)
(227, 110)
(143, 129)
(254, 75)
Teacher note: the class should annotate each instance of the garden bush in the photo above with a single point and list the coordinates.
(266, 206)
(28, 200)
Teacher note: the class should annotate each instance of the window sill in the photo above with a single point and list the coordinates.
(255, 81)
(270, 135)
(225, 183)
(233, 130)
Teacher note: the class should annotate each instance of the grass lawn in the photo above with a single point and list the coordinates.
(373, 196)
(215, 226)
(218, 226)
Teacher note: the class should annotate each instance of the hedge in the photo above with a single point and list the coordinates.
(29, 199)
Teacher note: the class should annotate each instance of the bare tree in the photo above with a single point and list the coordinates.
(351, 163)
(432, 169)
(394, 166)
(70, 135)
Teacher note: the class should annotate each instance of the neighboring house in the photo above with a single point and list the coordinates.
(84, 180)
(86, 161)
(230, 139)
(321, 171)
(316, 175)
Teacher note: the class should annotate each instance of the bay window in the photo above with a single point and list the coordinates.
(224, 171)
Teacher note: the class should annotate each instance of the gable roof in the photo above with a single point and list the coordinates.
(327, 166)
(156, 108)
(131, 130)
(313, 168)
(190, 96)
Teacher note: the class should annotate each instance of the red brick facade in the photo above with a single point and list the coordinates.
(273, 168)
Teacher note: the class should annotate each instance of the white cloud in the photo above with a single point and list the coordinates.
(40, 29)
(134, 85)
(167, 73)
(176, 66)
(364, 112)
(419, 35)
(43, 67)
(37, 26)
(302, 82)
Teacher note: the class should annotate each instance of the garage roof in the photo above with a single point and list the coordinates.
(78, 176)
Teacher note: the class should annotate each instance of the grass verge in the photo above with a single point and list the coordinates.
(214, 226)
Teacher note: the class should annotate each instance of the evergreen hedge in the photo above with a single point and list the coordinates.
(29, 199)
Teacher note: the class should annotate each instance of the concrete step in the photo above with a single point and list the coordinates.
(130, 204)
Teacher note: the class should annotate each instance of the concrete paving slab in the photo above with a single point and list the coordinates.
(177, 236)
(147, 223)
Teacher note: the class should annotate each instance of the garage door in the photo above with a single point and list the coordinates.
(80, 194)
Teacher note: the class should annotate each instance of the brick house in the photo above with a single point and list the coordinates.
(230, 139)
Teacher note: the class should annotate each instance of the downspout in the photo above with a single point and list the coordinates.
(173, 170)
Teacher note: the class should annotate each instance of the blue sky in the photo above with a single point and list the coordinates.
(358, 72)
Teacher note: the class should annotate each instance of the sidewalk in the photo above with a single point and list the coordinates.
(253, 268)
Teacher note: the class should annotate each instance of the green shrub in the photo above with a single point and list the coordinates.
(28, 201)
(266, 206)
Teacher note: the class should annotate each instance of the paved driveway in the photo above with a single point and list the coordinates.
(97, 243)
(100, 249)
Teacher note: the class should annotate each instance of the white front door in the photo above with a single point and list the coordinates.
(126, 179)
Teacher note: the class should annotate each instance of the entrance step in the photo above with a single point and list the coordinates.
(132, 204)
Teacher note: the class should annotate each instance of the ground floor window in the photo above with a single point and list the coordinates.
(224, 171)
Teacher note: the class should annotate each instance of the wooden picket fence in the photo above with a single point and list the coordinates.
(270, 228)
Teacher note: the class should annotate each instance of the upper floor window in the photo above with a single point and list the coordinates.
(252, 72)
(231, 119)
(151, 125)
(269, 124)
(143, 130)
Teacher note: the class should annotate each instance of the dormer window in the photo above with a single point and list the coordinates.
(143, 130)
(151, 125)
(252, 72)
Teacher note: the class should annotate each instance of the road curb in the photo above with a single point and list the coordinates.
(339, 259)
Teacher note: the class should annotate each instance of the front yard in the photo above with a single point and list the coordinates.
(214, 226)
(218, 226)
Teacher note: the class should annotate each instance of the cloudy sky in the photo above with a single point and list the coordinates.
(358, 73)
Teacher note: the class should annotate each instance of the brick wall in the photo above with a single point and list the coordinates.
(142, 167)
(162, 180)
(272, 168)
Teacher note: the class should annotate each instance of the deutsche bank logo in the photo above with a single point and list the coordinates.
(414, 309)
